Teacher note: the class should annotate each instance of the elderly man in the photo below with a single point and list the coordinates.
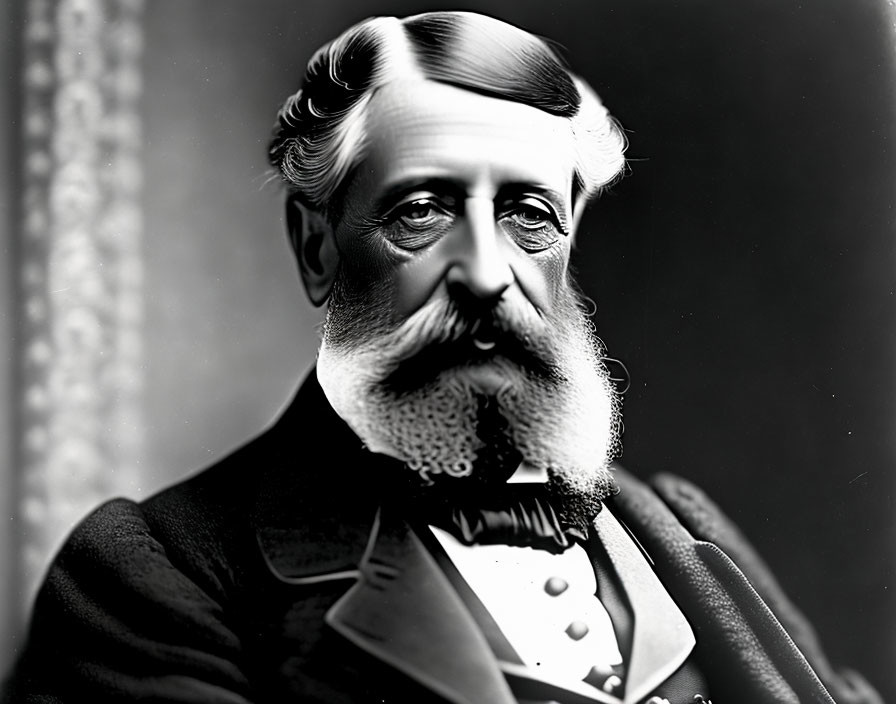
(436, 517)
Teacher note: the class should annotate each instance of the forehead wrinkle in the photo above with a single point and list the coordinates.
(421, 130)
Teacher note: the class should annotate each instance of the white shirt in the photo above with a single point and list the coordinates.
(544, 604)
(546, 630)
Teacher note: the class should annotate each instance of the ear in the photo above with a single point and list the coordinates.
(314, 243)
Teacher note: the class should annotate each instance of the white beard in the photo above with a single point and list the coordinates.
(566, 424)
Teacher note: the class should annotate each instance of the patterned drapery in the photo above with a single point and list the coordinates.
(80, 288)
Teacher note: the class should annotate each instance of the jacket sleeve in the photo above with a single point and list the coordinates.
(116, 621)
(705, 521)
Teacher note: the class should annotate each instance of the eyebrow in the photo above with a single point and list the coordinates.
(396, 191)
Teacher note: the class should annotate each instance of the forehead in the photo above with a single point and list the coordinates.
(420, 129)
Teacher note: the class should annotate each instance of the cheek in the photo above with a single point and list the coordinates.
(398, 286)
(542, 277)
(416, 280)
(366, 263)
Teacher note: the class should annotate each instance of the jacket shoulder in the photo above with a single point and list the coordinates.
(204, 521)
(115, 615)
(677, 513)
(143, 588)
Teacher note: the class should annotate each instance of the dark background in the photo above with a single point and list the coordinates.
(744, 270)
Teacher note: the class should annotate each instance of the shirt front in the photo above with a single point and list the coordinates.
(547, 608)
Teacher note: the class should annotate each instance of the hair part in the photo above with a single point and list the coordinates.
(320, 135)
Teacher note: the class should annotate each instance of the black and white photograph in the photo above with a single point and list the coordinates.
(485, 353)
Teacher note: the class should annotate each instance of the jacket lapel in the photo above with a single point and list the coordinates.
(662, 639)
(739, 640)
(401, 584)
(317, 520)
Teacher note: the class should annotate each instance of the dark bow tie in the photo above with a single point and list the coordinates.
(476, 513)
(515, 514)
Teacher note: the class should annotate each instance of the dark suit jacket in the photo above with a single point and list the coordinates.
(219, 590)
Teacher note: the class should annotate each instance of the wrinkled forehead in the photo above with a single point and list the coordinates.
(418, 128)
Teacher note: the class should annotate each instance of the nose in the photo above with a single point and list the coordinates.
(480, 269)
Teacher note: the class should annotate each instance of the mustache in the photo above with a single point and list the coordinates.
(445, 336)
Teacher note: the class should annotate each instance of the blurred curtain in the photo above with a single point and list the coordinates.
(77, 268)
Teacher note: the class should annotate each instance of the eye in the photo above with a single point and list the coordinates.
(531, 214)
(532, 223)
(418, 213)
(417, 221)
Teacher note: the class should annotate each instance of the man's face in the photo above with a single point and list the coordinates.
(452, 321)
(470, 190)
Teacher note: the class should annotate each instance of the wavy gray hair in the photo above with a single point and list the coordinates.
(320, 134)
